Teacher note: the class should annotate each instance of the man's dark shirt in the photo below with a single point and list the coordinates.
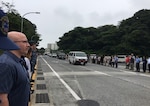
(14, 80)
(132, 60)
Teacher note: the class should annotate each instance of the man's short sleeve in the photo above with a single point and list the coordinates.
(6, 78)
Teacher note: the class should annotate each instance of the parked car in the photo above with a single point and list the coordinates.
(77, 57)
(54, 55)
(61, 55)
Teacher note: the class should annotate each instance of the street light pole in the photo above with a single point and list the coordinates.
(23, 17)
(32, 37)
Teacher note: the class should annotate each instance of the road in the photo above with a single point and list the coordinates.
(93, 85)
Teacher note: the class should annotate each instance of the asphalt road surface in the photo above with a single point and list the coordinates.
(93, 84)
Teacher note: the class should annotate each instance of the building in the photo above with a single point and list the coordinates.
(52, 47)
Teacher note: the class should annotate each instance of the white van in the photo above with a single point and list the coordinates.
(121, 58)
(77, 57)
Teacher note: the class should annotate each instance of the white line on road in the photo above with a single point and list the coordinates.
(76, 73)
(102, 73)
(136, 73)
(63, 82)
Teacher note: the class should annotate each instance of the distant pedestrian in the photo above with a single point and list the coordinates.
(144, 64)
(116, 61)
(127, 60)
(137, 61)
(98, 59)
(113, 61)
(33, 57)
(102, 59)
(105, 60)
(110, 61)
(148, 62)
(132, 62)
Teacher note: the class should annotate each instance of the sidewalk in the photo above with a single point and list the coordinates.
(40, 97)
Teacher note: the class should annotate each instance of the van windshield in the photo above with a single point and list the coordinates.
(81, 54)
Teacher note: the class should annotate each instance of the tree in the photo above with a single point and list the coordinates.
(41, 51)
(130, 36)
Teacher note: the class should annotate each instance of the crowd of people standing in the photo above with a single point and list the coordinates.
(132, 62)
(105, 60)
(137, 62)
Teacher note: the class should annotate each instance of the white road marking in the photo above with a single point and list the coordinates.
(98, 72)
(75, 73)
(102, 73)
(63, 82)
(136, 73)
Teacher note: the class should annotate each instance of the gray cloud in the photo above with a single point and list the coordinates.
(67, 16)
(60, 16)
(140, 4)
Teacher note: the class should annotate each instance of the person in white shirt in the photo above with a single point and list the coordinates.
(27, 60)
(148, 61)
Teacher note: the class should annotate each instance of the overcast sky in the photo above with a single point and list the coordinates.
(60, 16)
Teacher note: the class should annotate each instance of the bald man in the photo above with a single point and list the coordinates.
(14, 81)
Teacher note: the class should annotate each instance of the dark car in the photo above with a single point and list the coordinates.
(61, 55)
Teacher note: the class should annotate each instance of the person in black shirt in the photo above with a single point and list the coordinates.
(144, 64)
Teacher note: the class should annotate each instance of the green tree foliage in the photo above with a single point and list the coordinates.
(130, 36)
(29, 29)
(136, 33)
(41, 51)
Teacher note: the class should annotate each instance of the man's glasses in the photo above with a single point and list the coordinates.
(22, 41)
